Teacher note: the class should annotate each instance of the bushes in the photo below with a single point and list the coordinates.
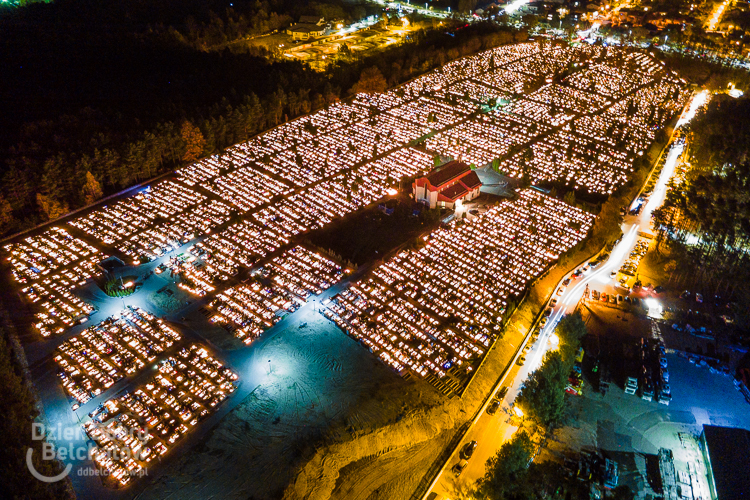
(114, 288)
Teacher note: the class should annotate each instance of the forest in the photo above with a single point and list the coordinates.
(705, 221)
(106, 97)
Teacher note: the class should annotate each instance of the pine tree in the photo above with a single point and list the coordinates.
(50, 208)
(6, 214)
(92, 190)
(194, 141)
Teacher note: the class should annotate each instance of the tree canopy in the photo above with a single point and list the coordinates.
(543, 393)
(705, 219)
(118, 109)
(504, 468)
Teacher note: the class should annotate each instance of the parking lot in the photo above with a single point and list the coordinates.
(631, 430)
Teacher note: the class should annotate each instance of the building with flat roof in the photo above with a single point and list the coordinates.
(448, 186)
(726, 452)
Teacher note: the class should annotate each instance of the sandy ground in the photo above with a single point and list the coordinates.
(320, 387)
(323, 419)
(363, 479)
(397, 456)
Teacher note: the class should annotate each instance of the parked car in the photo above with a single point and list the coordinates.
(665, 375)
(647, 391)
(468, 450)
(459, 467)
(493, 407)
(604, 297)
(566, 282)
(613, 273)
(664, 394)
(501, 393)
(662, 361)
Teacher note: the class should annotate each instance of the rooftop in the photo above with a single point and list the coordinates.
(728, 452)
(454, 192)
(471, 180)
(450, 171)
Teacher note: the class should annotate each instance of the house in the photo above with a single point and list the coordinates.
(305, 31)
(308, 27)
(317, 21)
(448, 186)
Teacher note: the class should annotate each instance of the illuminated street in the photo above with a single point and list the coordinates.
(490, 431)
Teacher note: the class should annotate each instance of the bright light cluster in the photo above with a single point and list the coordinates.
(53, 264)
(279, 287)
(112, 224)
(274, 225)
(436, 308)
(133, 429)
(580, 114)
(103, 354)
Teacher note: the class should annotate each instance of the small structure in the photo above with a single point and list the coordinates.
(725, 451)
(448, 187)
(308, 27)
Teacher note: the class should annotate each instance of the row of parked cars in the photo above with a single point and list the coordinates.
(653, 381)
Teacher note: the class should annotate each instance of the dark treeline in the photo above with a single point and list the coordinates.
(713, 75)
(133, 57)
(96, 108)
(19, 413)
(712, 204)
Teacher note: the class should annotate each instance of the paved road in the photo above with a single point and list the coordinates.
(492, 431)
